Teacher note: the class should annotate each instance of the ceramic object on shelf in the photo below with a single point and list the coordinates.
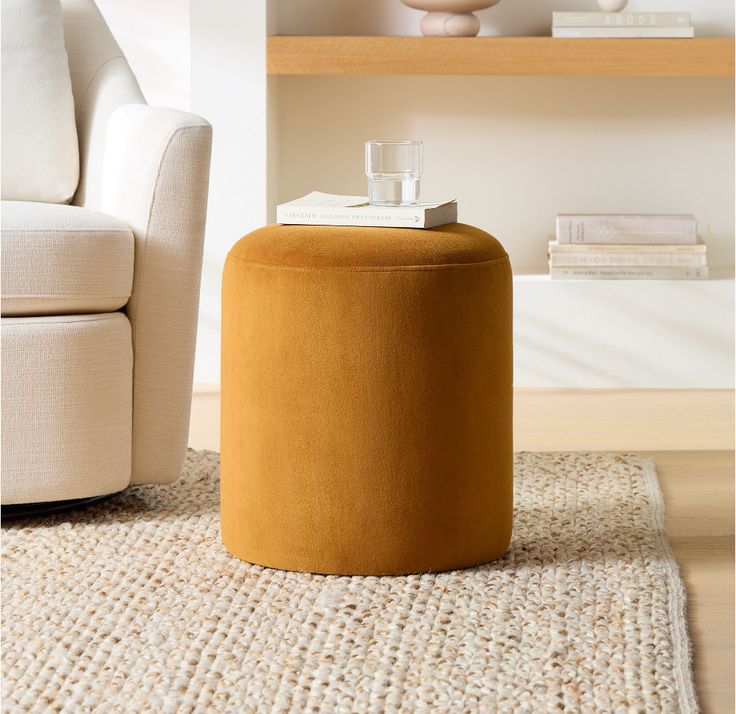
(612, 5)
(450, 18)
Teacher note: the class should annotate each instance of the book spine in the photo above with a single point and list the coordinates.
(334, 217)
(569, 260)
(621, 19)
(630, 273)
(556, 248)
(623, 32)
(625, 230)
(394, 217)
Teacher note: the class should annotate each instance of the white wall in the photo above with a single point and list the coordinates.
(155, 36)
(229, 89)
(515, 151)
(509, 17)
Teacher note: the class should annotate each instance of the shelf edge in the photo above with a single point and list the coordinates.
(499, 56)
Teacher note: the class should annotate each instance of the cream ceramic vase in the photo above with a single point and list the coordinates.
(450, 18)
(612, 5)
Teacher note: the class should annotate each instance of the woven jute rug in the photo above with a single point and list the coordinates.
(134, 606)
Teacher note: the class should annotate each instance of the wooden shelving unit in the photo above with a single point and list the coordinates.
(531, 56)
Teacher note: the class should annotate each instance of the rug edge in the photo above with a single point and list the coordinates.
(677, 595)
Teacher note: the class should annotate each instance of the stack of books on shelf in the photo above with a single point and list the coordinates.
(627, 247)
(622, 24)
(328, 209)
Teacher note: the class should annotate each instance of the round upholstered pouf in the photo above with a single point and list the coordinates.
(366, 399)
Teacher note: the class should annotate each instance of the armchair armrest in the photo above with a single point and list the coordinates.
(155, 177)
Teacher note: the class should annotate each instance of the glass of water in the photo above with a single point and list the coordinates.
(394, 170)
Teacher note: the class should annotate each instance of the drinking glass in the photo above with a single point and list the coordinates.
(394, 170)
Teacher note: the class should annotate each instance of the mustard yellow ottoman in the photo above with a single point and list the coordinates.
(366, 399)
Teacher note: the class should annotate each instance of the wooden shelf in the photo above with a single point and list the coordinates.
(533, 56)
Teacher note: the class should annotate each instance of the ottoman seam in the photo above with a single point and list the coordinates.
(373, 269)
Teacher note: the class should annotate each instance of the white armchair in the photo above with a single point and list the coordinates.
(100, 297)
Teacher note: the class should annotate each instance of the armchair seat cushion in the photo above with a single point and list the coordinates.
(63, 260)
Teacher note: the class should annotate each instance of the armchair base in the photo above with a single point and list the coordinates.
(19, 511)
(66, 407)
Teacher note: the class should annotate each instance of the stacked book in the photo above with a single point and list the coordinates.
(327, 209)
(627, 247)
(622, 24)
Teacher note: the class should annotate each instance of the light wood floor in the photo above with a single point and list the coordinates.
(698, 487)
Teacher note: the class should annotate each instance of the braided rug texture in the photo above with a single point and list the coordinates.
(133, 605)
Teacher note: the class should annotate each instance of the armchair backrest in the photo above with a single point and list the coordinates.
(101, 81)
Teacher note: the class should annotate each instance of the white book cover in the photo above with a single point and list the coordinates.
(621, 19)
(612, 248)
(628, 273)
(327, 209)
(662, 229)
(625, 260)
(623, 32)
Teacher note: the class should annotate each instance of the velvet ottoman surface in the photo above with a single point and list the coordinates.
(367, 398)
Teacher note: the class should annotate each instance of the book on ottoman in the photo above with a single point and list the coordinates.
(326, 209)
